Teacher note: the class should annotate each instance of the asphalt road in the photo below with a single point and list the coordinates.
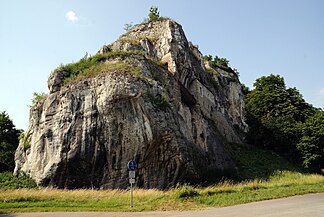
(311, 205)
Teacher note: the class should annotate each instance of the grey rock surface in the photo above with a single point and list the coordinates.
(177, 121)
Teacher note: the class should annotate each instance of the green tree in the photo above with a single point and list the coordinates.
(245, 89)
(274, 113)
(8, 142)
(38, 97)
(223, 62)
(154, 14)
(208, 57)
(311, 144)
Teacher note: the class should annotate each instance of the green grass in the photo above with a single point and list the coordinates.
(262, 175)
(72, 71)
(96, 65)
(257, 163)
(133, 41)
(281, 184)
(101, 68)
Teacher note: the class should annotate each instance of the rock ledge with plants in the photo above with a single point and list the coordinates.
(149, 96)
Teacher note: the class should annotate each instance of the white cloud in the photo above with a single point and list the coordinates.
(71, 16)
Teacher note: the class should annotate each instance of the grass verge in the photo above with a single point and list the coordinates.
(280, 184)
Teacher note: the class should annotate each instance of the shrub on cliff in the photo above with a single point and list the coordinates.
(221, 63)
(38, 97)
(92, 66)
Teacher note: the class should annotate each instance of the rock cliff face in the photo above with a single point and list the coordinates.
(168, 109)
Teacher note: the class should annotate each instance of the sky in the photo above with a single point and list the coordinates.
(258, 37)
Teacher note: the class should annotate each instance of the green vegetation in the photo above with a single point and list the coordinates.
(37, 97)
(311, 144)
(258, 163)
(159, 63)
(25, 138)
(280, 120)
(211, 71)
(94, 65)
(133, 41)
(9, 181)
(8, 142)
(100, 68)
(221, 63)
(273, 111)
(265, 176)
(186, 191)
(154, 14)
(245, 89)
(281, 184)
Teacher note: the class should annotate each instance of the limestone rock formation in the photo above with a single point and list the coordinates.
(156, 102)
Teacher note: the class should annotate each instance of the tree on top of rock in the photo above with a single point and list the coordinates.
(154, 14)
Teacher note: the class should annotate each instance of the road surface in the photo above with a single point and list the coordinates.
(311, 205)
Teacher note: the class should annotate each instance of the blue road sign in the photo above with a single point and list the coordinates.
(131, 165)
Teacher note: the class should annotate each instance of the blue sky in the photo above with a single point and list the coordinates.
(259, 37)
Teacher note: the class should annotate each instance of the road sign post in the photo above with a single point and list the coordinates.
(132, 166)
(131, 196)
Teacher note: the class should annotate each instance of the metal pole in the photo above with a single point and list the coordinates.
(131, 196)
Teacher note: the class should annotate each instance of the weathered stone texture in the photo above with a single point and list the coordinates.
(175, 123)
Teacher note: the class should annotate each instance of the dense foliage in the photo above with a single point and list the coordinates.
(10, 181)
(311, 144)
(8, 142)
(154, 14)
(279, 119)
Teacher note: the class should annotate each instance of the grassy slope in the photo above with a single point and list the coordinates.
(270, 177)
(256, 163)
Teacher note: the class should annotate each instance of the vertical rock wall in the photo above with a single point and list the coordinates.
(175, 122)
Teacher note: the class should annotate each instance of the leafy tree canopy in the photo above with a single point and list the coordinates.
(154, 14)
(8, 142)
(311, 144)
(245, 89)
(274, 113)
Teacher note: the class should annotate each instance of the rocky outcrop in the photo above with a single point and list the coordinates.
(170, 111)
